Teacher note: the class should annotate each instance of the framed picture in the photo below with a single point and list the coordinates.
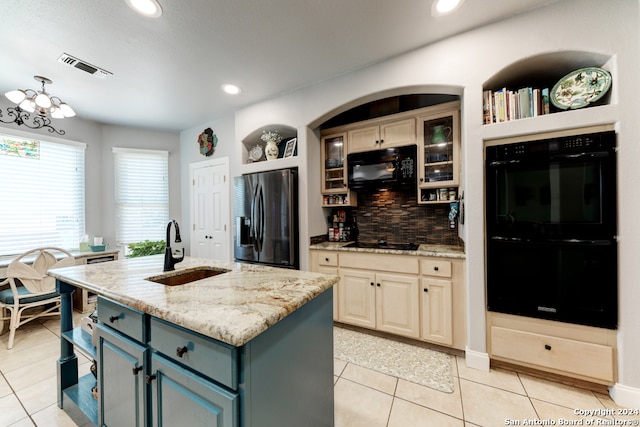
(290, 148)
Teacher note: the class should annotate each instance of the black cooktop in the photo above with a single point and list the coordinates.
(384, 245)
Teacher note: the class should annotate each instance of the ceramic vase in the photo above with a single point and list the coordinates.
(271, 150)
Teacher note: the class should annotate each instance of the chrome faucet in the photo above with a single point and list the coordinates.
(169, 260)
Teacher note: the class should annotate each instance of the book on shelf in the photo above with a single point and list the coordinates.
(505, 105)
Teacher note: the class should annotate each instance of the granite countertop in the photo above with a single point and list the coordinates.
(233, 307)
(447, 251)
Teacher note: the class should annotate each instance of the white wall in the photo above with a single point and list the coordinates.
(460, 65)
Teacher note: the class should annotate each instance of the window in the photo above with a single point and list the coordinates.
(141, 194)
(41, 194)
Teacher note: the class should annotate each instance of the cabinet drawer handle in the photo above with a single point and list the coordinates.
(150, 378)
(136, 370)
(180, 351)
(113, 318)
(435, 268)
(547, 347)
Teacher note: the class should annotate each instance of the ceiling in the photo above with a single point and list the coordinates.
(168, 71)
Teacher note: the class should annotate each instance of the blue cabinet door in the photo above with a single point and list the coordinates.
(121, 380)
(181, 398)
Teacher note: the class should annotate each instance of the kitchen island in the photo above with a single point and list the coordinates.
(252, 346)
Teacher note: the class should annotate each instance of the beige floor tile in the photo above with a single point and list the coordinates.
(375, 380)
(32, 374)
(27, 336)
(17, 358)
(52, 416)
(38, 396)
(360, 406)
(489, 406)
(447, 403)
(405, 414)
(338, 366)
(506, 380)
(560, 394)
(25, 422)
(10, 410)
(556, 413)
(4, 387)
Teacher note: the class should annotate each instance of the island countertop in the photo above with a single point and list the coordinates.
(233, 307)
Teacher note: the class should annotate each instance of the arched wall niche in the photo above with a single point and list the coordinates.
(544, 70)
(252, 139)
(389, 93)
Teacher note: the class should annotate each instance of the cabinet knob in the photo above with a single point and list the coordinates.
(381, 141)
(378, 284)
(113, 318)
(426, 290)
(421, 179)
(326, 259)
(149, 379)
(136, 370)
(547, 347)
(180, 351)
(371, 283)
(435, 268)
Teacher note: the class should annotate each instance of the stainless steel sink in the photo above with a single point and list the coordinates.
(177, 278)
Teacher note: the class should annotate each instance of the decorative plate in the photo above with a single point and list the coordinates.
(580, 88)
(255, 153)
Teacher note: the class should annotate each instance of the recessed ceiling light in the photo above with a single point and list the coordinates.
(231, 89)
(150, 8)
(444, 7)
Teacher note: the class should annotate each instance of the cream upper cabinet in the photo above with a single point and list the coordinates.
(439, 154)
(386, 135)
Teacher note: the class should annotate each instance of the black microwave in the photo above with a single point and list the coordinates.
(387, 168)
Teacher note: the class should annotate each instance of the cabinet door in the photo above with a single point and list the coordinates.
(437, 311)
(182, 398)
(438, 156)
(397, 305)
(334, 167)
(357, 303)
(364, 139)
(121, 380)
(397, 134)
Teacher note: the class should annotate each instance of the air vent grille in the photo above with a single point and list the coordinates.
(74, 62)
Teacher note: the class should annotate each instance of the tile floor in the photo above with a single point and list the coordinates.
(362, 397)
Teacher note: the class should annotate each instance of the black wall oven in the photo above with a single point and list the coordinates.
(551, 229)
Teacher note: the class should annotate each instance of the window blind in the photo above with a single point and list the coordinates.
(42, 199)
(141, 194)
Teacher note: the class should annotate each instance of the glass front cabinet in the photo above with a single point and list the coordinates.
(438, 157)
(334, 171)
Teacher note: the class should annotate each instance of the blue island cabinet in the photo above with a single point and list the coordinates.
(154, 373)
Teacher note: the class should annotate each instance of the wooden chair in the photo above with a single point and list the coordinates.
(31, 287)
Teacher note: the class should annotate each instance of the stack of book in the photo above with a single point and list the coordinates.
(504, 105)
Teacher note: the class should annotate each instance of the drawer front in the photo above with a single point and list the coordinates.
(386, 263)
(328, 259)
(206, 356)
(565, 355)
(435, 267)
(124, 319)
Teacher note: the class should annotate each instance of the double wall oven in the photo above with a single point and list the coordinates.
(551, 229)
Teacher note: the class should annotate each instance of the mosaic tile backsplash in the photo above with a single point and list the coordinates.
(397, 217)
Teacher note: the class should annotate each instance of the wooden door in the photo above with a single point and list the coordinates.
(357, 303)
(397, 304)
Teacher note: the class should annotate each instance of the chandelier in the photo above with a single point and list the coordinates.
(39, 104)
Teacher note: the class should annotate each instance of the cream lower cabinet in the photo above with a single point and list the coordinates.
(386, 302)
(326, 262)
(437, 310)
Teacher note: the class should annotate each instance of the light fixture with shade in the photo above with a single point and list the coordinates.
(40, 104)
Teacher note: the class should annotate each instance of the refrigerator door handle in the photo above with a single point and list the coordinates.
(257, 244)
(260, 219)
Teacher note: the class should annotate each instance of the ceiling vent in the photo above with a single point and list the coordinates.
(84, 66)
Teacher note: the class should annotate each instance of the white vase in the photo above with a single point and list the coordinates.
(271, 150)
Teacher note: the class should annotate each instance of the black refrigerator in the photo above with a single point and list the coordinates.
(266, 218)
